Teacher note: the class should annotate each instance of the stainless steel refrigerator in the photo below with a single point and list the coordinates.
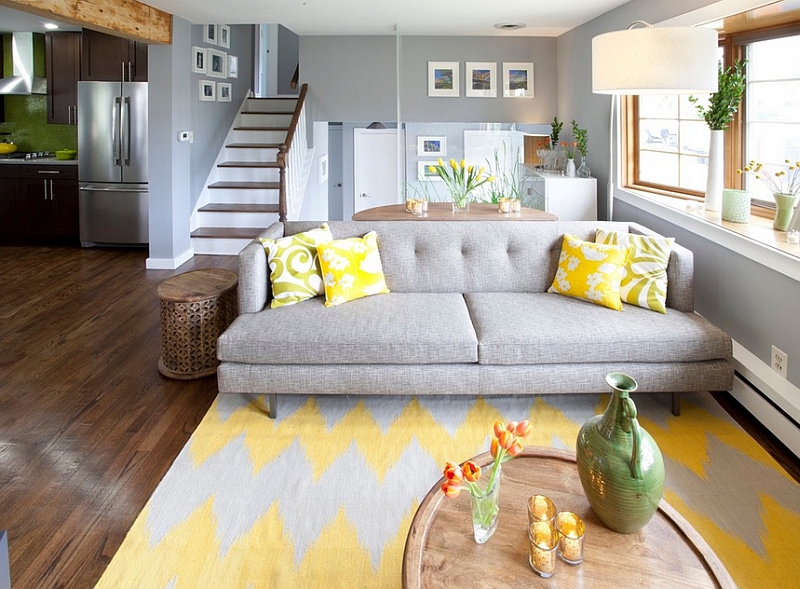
(112, 163)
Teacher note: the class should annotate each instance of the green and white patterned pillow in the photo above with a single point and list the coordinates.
(644, 282)
(294, 266)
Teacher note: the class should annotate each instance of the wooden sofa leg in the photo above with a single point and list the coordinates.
(676, 404)
(273, 405)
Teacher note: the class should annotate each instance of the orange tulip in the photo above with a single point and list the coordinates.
(495, 447)
(451, 491)
(512, 426)
(472, 472)
(453, 473)
(498, 427)
(524, 429)
(505, 439)
(515, 448)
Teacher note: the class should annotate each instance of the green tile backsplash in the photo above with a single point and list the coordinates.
(26, 116)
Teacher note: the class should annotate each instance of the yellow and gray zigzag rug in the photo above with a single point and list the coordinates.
(323, 497)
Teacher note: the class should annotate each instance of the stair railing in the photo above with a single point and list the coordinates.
(291, 156)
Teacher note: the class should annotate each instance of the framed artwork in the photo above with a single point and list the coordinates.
(443, 78)
(432, 146)
(199, 57)
(322, 170)
(481, 79)
(225, 36)
(210, 34)
(217, 63)
(424, 173)
(233, 66)
(517, 80)
(223, 92)
(207, 91)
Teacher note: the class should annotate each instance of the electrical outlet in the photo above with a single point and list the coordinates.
(780, 361)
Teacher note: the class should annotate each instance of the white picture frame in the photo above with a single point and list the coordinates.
(224, 39)
(322, 170)
(223, 92)
(217, 63)
(199, 60)
(233, 66)
(517, 79)
(210, 34)
(480, 79)
(208, 91)
(424, 174)
(431, 146)
(443, 79)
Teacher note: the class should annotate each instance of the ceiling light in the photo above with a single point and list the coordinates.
(509, 26)
(50, 26)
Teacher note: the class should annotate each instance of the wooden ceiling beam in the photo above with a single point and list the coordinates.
(124, 18)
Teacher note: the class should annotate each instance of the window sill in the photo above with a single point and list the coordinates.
(756, 240)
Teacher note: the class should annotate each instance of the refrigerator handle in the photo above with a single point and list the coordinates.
(126, 128)
(116, 129)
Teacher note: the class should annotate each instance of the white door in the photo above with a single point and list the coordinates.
(375, 165)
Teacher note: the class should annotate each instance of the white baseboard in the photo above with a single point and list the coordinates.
(169, 263)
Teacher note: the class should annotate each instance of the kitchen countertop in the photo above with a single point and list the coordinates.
(40, 161)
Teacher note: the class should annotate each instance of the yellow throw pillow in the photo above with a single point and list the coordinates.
(294, 268)
(644, 282)
(590, 271)
(351, 269)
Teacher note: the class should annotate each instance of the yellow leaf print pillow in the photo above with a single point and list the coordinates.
(351, 269)
(590, 271)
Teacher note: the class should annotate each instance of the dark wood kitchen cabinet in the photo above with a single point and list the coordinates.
(63, 66)
(49, 201)
(9, 204)
(106, 58)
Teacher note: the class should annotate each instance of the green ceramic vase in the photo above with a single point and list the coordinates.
(784, 208)
(619, 463)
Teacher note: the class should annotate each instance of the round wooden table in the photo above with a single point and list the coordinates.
(441, 553)
(443, 211)
(196, 307)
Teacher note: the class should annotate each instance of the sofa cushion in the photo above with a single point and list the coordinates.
(590, 271)
(351, 269)
(395, 328)
(294, 266)
(538, 328)
(644, 280)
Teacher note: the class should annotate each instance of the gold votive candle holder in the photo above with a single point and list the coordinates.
(516, 206)
(543, 548)
(541, 508)
(571, 531)
(503, 205)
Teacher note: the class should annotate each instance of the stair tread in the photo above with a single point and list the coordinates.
(254, 145)
(228, 232)
(236, 164)
(247, 128)
(218, 207)
(268, 112)
(246, 185)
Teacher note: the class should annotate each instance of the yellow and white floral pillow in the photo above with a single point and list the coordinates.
(294, 268)
(644, 282)
(590, 271)
(351, 269)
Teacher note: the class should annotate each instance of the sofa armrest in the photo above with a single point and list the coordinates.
(253, 272)
(680, 273)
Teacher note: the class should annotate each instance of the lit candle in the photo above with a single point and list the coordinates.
(793, 237)
(571, 530)
(541, 508)
(504, 205)
(543, 540)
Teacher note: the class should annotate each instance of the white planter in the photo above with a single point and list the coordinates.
(570, 168)
(716, 171)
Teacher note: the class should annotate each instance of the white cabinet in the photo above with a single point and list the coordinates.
(569, 199)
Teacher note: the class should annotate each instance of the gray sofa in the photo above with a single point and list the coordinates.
(468, 313)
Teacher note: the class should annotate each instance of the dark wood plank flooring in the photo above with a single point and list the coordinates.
(88, 426)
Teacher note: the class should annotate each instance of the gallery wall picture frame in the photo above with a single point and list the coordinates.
(480, 79)
(210, 34)
(233, 66)
(517, 79)
(208, 91)
(431, 146)
(217, 63)
(223, 92)
(424, 173)
(199, 60)
(443, 78)
(224, 36)
(322, 169)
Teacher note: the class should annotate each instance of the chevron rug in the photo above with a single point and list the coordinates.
(323, 496)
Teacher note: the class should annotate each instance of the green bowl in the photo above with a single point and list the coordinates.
(66, 154)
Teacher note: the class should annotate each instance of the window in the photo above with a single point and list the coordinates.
(669, 151)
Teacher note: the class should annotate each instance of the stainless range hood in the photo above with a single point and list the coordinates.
(23, 81)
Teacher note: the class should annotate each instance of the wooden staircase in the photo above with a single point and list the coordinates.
(246, 194)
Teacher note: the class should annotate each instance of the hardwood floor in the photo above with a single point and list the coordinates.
(88, 426)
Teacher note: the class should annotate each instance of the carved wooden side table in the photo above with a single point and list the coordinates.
(196, 307)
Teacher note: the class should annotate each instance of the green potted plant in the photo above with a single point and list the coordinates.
(718, 114)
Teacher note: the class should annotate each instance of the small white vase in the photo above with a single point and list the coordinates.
(716, 169)
(570, 169)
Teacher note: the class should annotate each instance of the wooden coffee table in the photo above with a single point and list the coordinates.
(441, 553)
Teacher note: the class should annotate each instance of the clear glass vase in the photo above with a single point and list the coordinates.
(461, 203)
(584, 171)
(485, 509)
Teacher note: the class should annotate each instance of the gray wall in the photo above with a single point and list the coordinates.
(288, 58)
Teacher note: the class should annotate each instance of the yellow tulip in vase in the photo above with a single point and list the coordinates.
(461, 180)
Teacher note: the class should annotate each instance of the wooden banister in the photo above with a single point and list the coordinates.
(283, 152)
